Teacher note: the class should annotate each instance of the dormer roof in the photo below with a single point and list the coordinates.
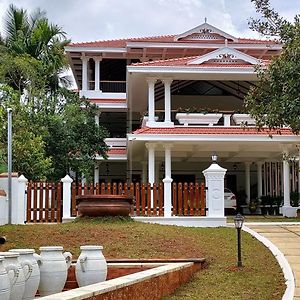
(225, 55)
(205, 32)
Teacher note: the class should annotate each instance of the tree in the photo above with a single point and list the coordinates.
(275, 100)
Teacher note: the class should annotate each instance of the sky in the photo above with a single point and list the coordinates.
(92, 20)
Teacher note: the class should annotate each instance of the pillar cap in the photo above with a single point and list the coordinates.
(22, 178)
(214, 168)
(67, 179)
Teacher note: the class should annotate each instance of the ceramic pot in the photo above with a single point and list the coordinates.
(54, 266)
(91, 266)
(32, 277)
(17, 279)
(4, 281)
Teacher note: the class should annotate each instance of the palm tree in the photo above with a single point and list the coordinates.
(33, 35)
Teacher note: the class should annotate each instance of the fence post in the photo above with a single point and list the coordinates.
(67, 197)
(19, 200)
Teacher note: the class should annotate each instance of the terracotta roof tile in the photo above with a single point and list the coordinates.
(107, 100)
(213, 130)
(117, 151)
(121, 43)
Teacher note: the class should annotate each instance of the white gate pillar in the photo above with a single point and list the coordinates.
(214, 180)
(67, 196)
(168, 182)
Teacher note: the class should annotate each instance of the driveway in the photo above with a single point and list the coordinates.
(286, 238)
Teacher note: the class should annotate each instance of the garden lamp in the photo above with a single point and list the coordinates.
(214, 158)
(238, 224)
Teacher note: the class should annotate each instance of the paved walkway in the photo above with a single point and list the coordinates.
(287, 239)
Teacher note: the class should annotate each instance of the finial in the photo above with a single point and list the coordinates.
(205, 20)
(226, 43)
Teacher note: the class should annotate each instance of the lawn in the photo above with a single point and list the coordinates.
(260, 278)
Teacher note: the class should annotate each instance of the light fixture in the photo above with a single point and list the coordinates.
(214, 158)
(238, 224)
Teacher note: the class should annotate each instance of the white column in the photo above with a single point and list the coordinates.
(167, 83)
(286, 183)
(259, 178)
(19, 203)
(96, 174)
(151, 101)
(144, 172)
(168, 182)
(247, 181)
(97, 118)
(84, 73)
(214, 180)
(67, 196)
(151, 162)
(97, 73)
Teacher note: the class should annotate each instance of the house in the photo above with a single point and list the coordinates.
(144, 88)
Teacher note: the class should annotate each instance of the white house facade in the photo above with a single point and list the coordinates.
(170, 102)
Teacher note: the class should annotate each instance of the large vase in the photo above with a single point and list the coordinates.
(17, 279)
(32, 279)
(54, 266)
(91, 266)
(4, 281)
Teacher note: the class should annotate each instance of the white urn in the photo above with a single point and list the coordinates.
(17, 278)
(32, 279)
(54, 266)
(91, 266)
(4, 281)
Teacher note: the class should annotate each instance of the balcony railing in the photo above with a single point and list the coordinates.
(108, 86)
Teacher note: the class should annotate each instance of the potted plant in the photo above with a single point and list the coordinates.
(253, 205)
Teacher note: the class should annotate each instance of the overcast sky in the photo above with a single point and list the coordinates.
(91, 20)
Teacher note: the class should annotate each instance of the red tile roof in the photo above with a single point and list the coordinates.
(121, 43)
(213, 130)
(117, 151)
(103, 101)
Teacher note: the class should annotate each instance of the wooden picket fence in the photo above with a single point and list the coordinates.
(44, 200)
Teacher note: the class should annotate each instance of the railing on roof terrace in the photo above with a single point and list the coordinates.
(109, 86)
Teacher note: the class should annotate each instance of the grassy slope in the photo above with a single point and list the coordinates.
(261, 278)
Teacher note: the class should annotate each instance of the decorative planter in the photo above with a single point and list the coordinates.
(146, 119)
(240, 119)
(4, 281)
(198, 118)
(91, 266)
(53, 269)
(32, 279)
(11, 261)
(104, 205)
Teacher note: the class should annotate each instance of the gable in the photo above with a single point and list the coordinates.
(205, 32)
(225, 55)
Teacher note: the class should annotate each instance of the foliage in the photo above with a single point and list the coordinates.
(195, 109)
(53, 129)
(275, 101)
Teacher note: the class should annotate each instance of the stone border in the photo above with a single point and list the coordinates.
(286, 268)
(112, 285)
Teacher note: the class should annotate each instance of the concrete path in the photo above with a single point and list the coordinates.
(286, 238)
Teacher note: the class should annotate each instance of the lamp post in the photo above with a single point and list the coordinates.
(238, 224)
(214, 158)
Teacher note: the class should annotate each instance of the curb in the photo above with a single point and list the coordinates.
(285, 266)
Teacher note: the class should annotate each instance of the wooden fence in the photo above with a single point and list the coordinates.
(44, 200)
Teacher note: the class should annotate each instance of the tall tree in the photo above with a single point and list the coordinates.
(275, 100)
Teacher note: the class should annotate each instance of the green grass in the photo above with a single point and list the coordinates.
(260, 278)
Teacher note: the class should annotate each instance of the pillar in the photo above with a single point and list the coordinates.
(96, 174)
(97, 73)
(67, 196)
(247, 181)
(168, 182)
(97, 119)
(259, 179)
(214, 180)
(151, 101)
(167, 83)
(286, 183)
(84, 73)
(151, 162)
